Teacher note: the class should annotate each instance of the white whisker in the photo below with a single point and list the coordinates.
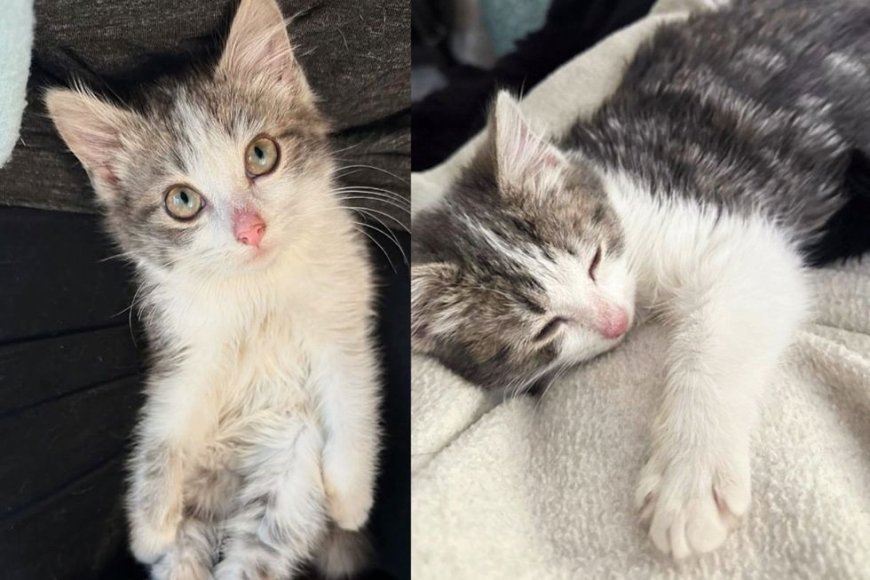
(391, 236)
(372, 167)
(375, 242)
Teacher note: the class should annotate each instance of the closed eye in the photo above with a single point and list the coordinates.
(596, 259)
(550, 329)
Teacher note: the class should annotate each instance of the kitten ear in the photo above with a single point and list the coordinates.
(432, 288)
(92, 129)
(521, 155)
(258, 45)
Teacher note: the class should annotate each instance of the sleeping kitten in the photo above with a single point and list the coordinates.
(699, 191)
(259, 437)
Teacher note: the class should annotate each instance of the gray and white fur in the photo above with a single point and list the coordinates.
(699, 192)
(257, 447)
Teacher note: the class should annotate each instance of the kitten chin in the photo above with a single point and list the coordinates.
(256, 292)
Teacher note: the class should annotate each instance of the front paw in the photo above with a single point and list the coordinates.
(348, 502)
(693, 500)
(150, 537)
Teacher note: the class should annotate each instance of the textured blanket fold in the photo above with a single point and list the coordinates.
(544, 488)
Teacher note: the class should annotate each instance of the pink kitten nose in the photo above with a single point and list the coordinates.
(613, 322)
(249, 228)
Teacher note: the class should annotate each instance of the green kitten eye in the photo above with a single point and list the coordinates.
(183, 202)
(261, 156)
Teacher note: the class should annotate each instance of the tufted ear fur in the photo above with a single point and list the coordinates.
(258, 46)
(433, 289)
(522, 157)
(92, 129)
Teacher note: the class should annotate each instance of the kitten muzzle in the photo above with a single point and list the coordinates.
(612, 322)
(249, 228)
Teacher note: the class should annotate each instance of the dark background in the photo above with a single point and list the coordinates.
(71, 353)
(443, 120)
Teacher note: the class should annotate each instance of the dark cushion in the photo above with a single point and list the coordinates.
(446, 119)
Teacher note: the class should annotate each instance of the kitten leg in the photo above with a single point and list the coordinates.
(193, 553)
(170, 430)
(733, 305)
(208, 498)
(154, 502)
(348, 393)
(280, 517)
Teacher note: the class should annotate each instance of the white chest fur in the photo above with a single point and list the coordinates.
(238, 350)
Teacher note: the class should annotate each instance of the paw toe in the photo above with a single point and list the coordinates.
(733, 494)
(351, 520)
(705, 530)
(646, 490)
(148, 547)
(350, 512)
(659, 531)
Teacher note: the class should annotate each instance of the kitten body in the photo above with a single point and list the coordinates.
(698, 192)
(257, 447)
(263, 392)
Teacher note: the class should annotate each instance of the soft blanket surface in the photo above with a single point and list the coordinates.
(16, 38)
(544, 488)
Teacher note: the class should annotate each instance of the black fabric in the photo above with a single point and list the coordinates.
(446, 119)
(356, 56)
(847, 233)
(71, 370)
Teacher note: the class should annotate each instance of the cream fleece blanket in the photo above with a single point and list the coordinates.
(544, 488)
(16, 39)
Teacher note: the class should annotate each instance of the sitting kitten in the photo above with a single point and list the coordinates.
(259, 437)
(699, 191)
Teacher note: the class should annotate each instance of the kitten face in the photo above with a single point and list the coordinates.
(521, 270)
(217, 172)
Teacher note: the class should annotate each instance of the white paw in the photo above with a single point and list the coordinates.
(693, 500)
(149, 542)
(349, 508)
